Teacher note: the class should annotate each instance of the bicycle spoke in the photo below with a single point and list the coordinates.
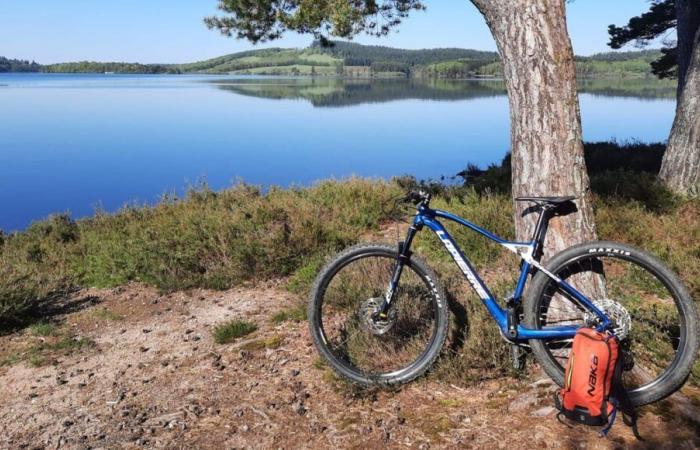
(655, 332)
(347, 322)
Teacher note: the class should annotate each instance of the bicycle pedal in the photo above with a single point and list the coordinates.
(517, 357)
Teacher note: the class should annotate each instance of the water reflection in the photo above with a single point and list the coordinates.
(331, 92)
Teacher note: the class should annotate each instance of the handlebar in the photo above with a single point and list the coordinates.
(418, 197)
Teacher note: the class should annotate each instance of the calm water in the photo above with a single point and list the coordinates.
(77, 142)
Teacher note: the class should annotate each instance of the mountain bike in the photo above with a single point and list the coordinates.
(379, 315)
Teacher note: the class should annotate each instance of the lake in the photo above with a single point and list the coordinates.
(73, 143)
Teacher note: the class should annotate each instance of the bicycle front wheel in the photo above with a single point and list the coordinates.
(652, 314)
(361, 348)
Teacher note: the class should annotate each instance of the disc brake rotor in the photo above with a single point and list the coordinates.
(619, 317)
(376, 326)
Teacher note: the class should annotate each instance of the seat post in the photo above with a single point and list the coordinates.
(540, 232)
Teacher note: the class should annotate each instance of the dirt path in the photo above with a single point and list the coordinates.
(153, 377)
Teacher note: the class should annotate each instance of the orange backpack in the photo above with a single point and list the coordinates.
(593, 391)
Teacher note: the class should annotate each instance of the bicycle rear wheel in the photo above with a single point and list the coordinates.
(367, 351)
(652, 313)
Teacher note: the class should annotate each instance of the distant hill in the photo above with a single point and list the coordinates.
(108, 67)
(348, 59)
(602, 65)
(17, 65)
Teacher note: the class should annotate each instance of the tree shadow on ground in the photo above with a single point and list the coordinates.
(50, 309)
(460, 329)
(662, 425)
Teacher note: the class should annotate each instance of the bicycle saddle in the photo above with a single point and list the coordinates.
(547, 201)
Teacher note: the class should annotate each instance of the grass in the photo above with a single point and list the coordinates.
(43, 329)
(40, 353)
(451, 402)
(271, 342)
(206, 239)
(106, 314)
(293, 314)
(228, 332)
(239, 235)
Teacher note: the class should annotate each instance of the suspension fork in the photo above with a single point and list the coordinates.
(402, 258)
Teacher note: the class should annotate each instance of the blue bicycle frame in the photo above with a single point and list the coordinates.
(427, 217)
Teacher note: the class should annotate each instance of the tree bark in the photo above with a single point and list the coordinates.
(688, 22)
(546, 142)
(680, 168)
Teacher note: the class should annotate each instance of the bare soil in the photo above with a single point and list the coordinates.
(155, 378)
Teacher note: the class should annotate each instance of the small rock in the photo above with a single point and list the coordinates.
(67, 423)
(542, 382)
(245, 428)
(146, 330)
(144, 349)
(542, 412)
(294, 372)
(522, 402)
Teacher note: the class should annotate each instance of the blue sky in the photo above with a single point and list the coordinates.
(171, 31)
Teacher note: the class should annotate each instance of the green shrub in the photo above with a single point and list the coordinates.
(36, 264)
(293, 314)
(43, 329)
(206, 239)
(230, 331)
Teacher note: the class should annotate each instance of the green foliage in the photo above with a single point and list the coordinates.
(366, 55)
(338, 58)
(603, 65)
(43, 329)
(264, 20)
(207, 239)
(230, 331)
(643, 29)
(302, 278)
(263, 62)
(37, 264)
(55, 343)
(17, 65)
(271, 342)
(106, 314)
(633, 156)
(294, 314)
(611, 166)
(624, 185)
(108, 67)
(219, 239)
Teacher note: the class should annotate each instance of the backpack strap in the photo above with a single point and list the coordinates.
(619, 398)
(611, 419)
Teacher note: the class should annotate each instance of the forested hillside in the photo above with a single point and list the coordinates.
(108, 67)
(17, 65)
(602, 65)
(348, 59)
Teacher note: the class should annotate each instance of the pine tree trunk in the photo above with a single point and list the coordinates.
(546, 143)
(688, 15)
(680, 168)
